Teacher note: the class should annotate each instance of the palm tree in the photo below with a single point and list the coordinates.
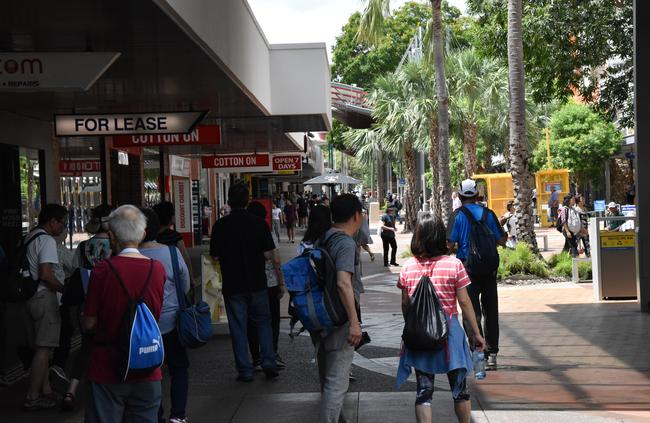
(519, 151)
(366, 147)
(398, 129)
(477, 85)
(444, 184)
(370, 31)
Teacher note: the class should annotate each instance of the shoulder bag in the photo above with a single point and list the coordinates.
(193, 322)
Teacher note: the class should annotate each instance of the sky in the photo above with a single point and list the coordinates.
(307, 21)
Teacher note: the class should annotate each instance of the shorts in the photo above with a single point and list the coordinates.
(425, 387)
(43, 309)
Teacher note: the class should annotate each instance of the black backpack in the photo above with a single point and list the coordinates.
(425, 323)
(19, 285)
(482, 255)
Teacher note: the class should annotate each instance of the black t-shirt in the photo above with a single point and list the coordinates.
(302, 205)
(239, 240)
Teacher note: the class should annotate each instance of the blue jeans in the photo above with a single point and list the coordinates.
(253, 306)
(178, 363)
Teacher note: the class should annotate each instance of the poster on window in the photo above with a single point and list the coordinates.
(182, 192)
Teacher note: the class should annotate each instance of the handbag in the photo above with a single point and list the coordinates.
(193, 321)
(425, 323)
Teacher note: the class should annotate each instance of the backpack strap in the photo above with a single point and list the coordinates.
(484, 217)
(470, 217)
(119, 279)
(182, 301)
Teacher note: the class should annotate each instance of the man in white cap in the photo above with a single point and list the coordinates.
(477, 232)
(613, 211)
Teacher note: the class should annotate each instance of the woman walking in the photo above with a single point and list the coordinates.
(87, 255)
(290, 218)
(571, 225)
(175, 354)
(450, 281)
(276, 214)
(320, 221)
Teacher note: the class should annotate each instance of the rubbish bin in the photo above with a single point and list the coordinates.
(613, 259)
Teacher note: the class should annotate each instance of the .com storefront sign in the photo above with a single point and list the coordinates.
(38, 71)
(248, 163)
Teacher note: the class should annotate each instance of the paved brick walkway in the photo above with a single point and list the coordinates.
(564, 358)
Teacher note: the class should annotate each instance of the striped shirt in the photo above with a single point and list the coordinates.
(447, 274)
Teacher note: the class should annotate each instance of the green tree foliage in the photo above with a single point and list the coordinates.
(581, 44)
(355, 62)
(581, 141)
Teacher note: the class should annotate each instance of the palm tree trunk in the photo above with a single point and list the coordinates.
(410, 194)
(469, 148)
(444, 182)
(433, 162)
(381, 180)
(519, 154)
(489, 152)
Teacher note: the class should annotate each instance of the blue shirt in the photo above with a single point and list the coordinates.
(167, 320)
(460, 227)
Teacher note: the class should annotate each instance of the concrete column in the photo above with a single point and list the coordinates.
(642, 108)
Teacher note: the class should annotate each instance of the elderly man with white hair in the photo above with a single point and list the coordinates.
(111, 399)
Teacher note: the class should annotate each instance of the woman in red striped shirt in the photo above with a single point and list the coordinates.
(450, 281)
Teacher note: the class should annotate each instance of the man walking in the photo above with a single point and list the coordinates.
(43, 307)
(483, 289)
(335, 351)
(242, 242)
(554, 205)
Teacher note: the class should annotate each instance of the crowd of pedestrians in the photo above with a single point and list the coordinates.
(134, 255)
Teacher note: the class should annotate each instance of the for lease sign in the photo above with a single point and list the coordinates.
(260, 162)
(127, 124)
(288, 162)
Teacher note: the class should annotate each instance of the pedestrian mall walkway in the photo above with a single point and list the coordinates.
(564, 358)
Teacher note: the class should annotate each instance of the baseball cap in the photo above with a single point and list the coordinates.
(612, 205)
(468, 188)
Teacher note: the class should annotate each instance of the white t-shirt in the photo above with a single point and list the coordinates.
(43, 250)
(276, 213)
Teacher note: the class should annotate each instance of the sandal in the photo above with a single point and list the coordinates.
(68, 402)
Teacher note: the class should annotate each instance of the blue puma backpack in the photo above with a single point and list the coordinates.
(139, 344)
(312, 285)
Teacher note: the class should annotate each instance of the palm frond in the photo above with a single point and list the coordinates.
(371, 26)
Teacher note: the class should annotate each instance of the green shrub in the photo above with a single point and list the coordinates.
(584, 269)
(521, 261)
(562, 264)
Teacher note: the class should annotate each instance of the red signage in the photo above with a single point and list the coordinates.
(236, 161)
(202, 135)
(288, 162)
(77, 167)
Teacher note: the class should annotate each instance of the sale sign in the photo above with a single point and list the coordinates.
(289, 162)
(77, 167)
(201, 135)
(238, 162)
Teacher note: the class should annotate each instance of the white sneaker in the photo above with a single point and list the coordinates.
(491, 362)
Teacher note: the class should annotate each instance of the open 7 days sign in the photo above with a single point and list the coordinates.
(127, 123)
